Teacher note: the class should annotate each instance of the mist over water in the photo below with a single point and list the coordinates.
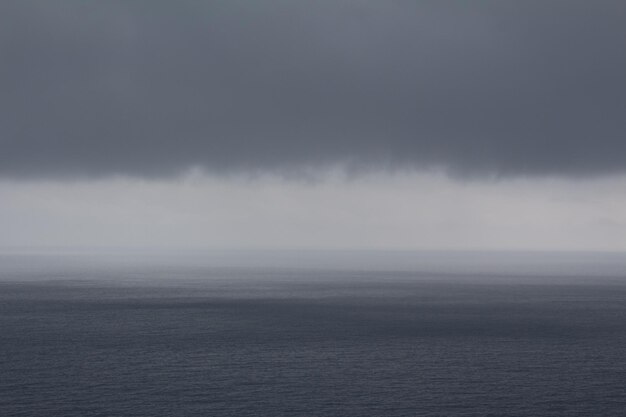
(312, 125)
(315, 333)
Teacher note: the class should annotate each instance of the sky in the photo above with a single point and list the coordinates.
(329, 124)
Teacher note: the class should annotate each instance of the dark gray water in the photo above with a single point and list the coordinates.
(136, 340)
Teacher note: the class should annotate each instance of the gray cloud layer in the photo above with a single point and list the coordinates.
(151, 88)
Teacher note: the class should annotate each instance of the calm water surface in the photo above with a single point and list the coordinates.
(180, 340)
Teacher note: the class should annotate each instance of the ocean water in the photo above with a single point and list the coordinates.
(319, 336)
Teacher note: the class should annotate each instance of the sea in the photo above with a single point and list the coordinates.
(311, 333)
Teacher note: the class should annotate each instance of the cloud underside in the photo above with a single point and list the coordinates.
(154, 88)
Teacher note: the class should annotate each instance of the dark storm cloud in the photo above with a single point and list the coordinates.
(151, 88)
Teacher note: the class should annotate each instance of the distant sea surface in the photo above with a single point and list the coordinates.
(271, 334)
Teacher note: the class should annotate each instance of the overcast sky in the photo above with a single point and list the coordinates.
(327, 124)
